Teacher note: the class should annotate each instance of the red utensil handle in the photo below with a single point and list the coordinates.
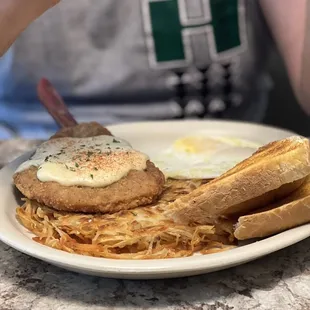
(54, 104)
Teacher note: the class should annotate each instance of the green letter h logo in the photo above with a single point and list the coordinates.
(180, 32)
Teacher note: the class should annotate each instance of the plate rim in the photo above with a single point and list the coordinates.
(201, 121)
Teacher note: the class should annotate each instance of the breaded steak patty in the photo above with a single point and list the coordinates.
(137, 188)
(82, 130)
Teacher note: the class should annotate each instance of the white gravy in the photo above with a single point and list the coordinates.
(96, 161)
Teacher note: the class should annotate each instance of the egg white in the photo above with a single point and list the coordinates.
(201, 156)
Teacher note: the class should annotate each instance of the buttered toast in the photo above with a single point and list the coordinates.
(282, 215)
(271, 173)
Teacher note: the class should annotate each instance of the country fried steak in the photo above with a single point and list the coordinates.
(137, 188)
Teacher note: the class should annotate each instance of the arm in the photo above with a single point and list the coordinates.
(16, 15)
(288, 21)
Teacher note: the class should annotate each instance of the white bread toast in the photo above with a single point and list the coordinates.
(287, 213)
(271, 173)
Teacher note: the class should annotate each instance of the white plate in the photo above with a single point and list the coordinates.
(148, 137)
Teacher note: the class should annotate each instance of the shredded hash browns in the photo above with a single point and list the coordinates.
(142, 233)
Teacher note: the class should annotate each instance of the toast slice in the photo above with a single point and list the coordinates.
(280, 216)
(271, 173)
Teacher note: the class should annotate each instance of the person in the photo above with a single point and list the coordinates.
(129, 60)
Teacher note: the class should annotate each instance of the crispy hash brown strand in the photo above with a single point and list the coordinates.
(142, 233)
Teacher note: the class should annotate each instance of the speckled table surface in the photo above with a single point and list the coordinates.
(278, 281)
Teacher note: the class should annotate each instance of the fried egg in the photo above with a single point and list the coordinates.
(201, 156)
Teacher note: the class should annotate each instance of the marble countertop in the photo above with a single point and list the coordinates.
(280, 281)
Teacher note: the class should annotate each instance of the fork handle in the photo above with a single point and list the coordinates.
(54, 104)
